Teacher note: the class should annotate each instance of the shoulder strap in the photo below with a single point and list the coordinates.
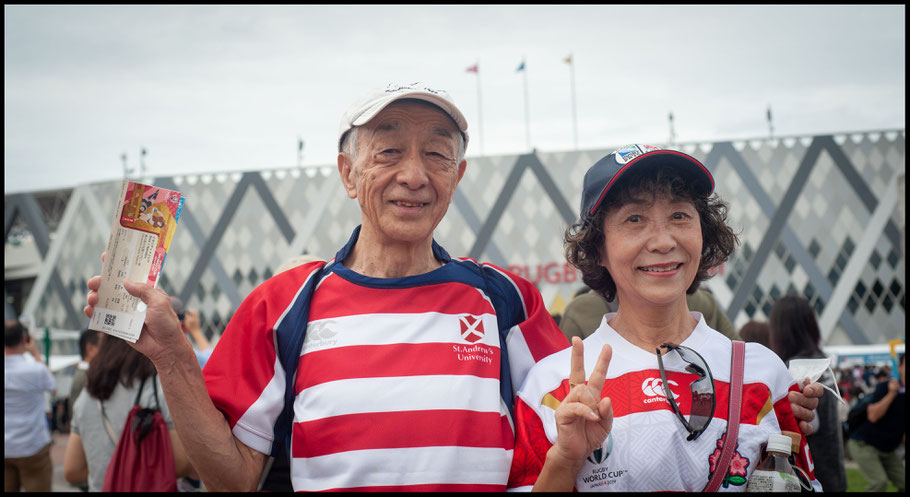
(107, 424)
(155, 389)
(736, 398)
(139, 392)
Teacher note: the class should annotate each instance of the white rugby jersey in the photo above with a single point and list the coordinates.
(647, 449)
(398, 381)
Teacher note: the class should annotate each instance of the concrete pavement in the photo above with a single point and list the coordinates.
(58, 449)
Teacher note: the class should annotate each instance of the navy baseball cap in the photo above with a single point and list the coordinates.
(604, 173)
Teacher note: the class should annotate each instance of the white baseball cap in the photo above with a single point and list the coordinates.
(373, 101)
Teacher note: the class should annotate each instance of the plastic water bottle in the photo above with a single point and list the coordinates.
(794, 449)
(774, 473)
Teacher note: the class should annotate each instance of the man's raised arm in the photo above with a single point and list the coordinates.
(221, 460)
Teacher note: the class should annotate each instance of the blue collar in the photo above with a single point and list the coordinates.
(439, 252)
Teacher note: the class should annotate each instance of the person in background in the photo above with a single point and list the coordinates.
(114, 380)
(585, 311)
(794, 334)
(297, 260)
(874, 444)
(89, 342)
(189, 322)
(26, 437)
(755, 331)
(882, 375)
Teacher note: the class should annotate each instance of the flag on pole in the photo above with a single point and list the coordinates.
(521, 67)
(472, 68)
(568, 60)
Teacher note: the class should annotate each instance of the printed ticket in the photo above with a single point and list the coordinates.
(141, 233)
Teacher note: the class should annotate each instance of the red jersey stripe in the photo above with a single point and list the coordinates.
(387, 430)
(642, 391)
(333, 300)
(373, 361)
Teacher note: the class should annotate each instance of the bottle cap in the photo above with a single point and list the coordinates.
(795, 437)
(779, 443)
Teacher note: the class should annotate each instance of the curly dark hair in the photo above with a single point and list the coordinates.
(584, 240)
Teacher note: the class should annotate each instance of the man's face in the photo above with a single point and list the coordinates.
(405, 172)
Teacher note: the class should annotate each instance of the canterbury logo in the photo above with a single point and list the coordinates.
(471, 328)
(654, 387)
(320, 331)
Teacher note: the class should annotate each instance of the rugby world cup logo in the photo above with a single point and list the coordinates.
(601, 453)
(471, 328)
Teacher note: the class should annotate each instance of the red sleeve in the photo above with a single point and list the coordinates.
(541, 332)
(243, 362)
(531, 446)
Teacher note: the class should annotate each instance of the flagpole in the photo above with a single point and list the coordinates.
(527, 111)
(479, 107)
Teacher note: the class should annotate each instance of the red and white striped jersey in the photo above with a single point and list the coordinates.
(647, 449)
(398, 382)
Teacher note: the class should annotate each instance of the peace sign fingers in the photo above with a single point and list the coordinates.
(583, 419)
(577, 363)
(599, 374)
(577, 366)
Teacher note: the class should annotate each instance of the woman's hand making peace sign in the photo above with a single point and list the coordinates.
(583, 421)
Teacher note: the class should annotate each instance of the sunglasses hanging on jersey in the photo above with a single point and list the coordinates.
(703, 396)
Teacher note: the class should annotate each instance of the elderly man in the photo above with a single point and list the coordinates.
(405, 378)
(399, 384)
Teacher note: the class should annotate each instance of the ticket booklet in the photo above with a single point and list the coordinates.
(141, 233)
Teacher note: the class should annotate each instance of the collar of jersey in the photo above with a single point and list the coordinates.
(436, 275)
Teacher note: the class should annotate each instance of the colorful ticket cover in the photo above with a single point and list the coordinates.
(143, 227)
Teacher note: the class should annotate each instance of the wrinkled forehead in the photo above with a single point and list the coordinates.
(406, 111)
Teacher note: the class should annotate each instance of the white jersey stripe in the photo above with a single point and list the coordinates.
(256, 427)
(337, 398)
(402, 466)
(428, 327)
(520, 357)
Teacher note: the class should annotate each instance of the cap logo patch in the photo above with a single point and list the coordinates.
(393, 88)
(627, 153)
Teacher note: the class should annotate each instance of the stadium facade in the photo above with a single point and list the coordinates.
(820, 216)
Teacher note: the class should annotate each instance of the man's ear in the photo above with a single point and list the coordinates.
(346, 171)
(461, 170)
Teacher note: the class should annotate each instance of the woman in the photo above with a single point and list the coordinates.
(649, 232)
(113, 381)
(794, 334)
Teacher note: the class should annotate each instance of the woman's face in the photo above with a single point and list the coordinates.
(652, 249)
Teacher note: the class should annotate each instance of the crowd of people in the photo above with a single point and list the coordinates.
(875, 442)
(395, 366)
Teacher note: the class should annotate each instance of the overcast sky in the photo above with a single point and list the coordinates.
(230, 88)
